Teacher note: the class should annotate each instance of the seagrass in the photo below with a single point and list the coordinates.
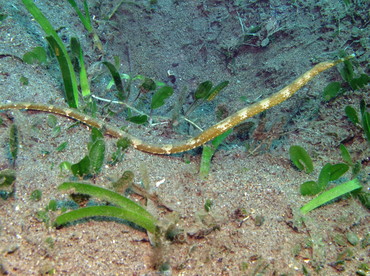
(196, 141)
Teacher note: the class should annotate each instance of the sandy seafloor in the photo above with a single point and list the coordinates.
(251, 175)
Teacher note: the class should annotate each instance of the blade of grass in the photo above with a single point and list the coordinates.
(85, 88)
(13, 143)
(86, 21)
(205, 163)
(208, 151)
(106, 195)
(331, 194)
(117, 79)
(106, 211)
(69, 77)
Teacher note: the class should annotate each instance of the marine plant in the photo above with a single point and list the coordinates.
(329, 172)
(92, 162)
(301, 159)
(7, 179)
(8, 176)
(86, 21)
(13, 143)
(362, 121)
(350, 81)
(331, 194)
(208, 152)
(124, 209)
(60, 51)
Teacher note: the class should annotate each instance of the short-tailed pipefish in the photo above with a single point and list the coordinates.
(205, 136)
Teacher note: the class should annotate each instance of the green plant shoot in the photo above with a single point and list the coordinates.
(328, 173)
(331, 194)
(301, 159)
(117, 80)
(365, 120)
(86, 21)
(60, 51)
(205, 92)
(207, 154)
(84, 82)
(160, 96)
(364, 123)
(36, 55)
(127, 209)
(93, 161)
(13, 142)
